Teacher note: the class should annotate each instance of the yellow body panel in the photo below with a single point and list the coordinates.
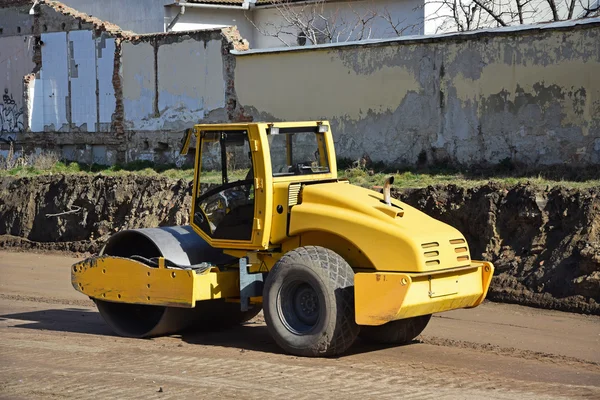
(393, 238)
(123, 280)
(381, 297)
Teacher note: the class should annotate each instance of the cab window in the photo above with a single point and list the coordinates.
(224, 207)
(297, 151)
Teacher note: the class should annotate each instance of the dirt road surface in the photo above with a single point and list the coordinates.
(54, 345)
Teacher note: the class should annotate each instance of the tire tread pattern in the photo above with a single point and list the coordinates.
(341, 276)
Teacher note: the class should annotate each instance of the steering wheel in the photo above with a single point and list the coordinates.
(201, 220)
(200, 217)
(224, 187)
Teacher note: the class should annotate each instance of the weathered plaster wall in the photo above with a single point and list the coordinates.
(73, 90)
(16, 54)
(138, 80)
(169, 83)
(140, 16)
(98, 94)
(532, 96)
(94, 93)
(194, 83)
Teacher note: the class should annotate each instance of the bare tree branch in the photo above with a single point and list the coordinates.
(492, 14)
(322, 21)
(552, 5)
(520, 11)
(571, 9)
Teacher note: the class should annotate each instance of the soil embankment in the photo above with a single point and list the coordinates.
(545, 244)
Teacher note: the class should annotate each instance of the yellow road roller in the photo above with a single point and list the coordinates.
(273, 228)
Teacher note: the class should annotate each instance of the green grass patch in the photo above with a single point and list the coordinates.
(367, 177)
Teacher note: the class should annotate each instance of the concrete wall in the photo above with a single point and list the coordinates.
(82, 87)
(73, 89)
(169, 85)
(76, 85)
(532, 95)
(140, 16)
(16, 59)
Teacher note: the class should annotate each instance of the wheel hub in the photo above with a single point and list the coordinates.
(306, 304)
(299, 307)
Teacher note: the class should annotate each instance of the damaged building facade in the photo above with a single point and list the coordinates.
(96, 94)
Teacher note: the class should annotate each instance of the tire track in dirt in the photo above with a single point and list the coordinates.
(90, 367)
(510, 351)
(48, 300)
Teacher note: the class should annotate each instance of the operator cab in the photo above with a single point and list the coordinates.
(235, 175)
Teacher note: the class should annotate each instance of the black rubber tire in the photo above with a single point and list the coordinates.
(329, 282)
(401, 331)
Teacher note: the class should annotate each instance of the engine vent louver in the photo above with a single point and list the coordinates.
(461, 251)
(294, 194)
(431, 255)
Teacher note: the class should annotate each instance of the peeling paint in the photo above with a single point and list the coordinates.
(319, 84)
(49, 94)
(189, 82)
(533, 98)
(137, 72)
(83, 80)
(105, 48)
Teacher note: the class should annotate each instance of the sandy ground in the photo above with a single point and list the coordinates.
(54, 345)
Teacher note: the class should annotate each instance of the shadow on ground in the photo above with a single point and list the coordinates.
(252, 336)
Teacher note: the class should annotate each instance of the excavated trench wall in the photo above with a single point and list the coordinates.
(545, 243)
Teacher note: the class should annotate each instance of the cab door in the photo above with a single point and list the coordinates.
(229, 196)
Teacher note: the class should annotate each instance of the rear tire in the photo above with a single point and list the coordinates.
(401, 331)
(308, 302)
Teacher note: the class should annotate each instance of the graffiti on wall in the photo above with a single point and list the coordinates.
(11, 118)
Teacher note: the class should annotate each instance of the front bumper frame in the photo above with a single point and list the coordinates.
(381, 297)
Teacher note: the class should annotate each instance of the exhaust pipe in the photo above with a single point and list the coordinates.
(387, 186)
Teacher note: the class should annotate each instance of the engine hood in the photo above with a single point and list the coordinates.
(394, 238)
